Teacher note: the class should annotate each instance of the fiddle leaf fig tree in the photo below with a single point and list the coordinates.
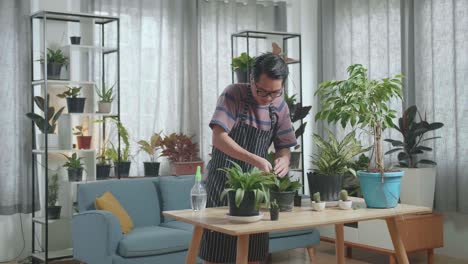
(361, 102)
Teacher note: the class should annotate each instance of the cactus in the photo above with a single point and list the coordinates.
(317, 197)
(274, 204)
(344, 195)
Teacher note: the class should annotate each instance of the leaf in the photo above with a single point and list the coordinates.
(393, 150)
(431, 138)
(395, 143)
(425, 161)
(239, 197)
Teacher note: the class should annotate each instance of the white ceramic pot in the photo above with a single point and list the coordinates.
(52, 141)
(418, 186)
(345, 205)
(104, 107)
(318, 206)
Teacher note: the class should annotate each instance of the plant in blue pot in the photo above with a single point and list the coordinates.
(364, 103)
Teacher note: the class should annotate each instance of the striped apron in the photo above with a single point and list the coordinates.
(221, 248)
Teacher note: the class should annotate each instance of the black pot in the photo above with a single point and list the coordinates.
(75, 175)
(329, 186)
(76, 104)
(123, 167)
(53, 71)
(75, 40)
(151, 169)
(297, 200)
(102, 171)
(242, 76)
(285, 200)
(247, 206)
(274, 214)
(53, 212)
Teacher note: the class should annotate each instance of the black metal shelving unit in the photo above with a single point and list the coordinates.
(44, 255)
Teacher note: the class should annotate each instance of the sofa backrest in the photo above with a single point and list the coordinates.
(175, 193)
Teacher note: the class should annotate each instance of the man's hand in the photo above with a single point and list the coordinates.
(281, 166)
(262, 164)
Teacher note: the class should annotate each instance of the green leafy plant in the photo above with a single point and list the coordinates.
(255, 181)
(274, 204)
(413, 131)
(46, 126)
(152, 146)
(79, 130)
(334, 157)
(55, 56)
(71, 92)
(361, 102)
(316, 197)
(297, 112)
(284, 184)
(106, 95)
(73, 162)
(241, 62)
(112, 152)
(344, 195)
(53, 188)
(179, 148)
(102, 157)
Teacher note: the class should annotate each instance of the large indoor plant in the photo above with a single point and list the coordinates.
(418, 185)
(283, 190)
(364, 102)
(152, 148)
(240, 65)
(46, 126)
(74, 167)
(182, 152)
(121, 162)
(331, 163)
(53, 210)
(246, 190)
(106, 97)
(75, 104)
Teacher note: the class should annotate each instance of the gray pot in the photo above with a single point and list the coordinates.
(104, 107)
(329, 186)
(285, 200)
(242, 76)
(75, 175)
(53, 71)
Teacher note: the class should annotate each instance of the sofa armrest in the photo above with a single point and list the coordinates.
(95, 235)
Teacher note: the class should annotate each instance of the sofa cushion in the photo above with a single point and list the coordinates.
(175, 193)
(278, 234)
(178, 225)
(107, 202)
(153, 240)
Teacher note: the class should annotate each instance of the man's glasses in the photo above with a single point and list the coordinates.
(263, 93)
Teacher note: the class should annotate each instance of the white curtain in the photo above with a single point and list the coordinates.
(441, 90)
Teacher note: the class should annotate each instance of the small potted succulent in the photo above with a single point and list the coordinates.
(55, 61)
(152, 147)
(274, 210)
(106, 97)
(53, 210)
(84, 142)
(74, 167)
(245, 190)
(121, 162)
(75, 104)
(344, 202)
(102, 166)
(182, 152)
(317, 203)
(240, 65)
(283, 190)
(46, 126)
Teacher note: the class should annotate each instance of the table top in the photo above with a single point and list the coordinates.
(301, 217)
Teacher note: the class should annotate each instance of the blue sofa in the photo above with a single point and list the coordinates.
(97, 237)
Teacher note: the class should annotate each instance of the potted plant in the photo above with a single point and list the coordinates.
(283, 190)
(344, 202)
(418, 185)
(121, 162)
(245, 190)
(75, 104)
(362, 102)
(47, 127)
(55, 60)
(274, 210)
(53, 210)
(240, 65)
(317, 203)
(84, 142)
(182, 152)
(102, 166)
(331, 163)
(74, 167)
(75, 40)
(106, 97)
(152, 147)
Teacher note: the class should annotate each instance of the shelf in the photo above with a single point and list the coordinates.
(265, 34)
(73, 17)
(293, 62)
(92, 114)
(41, 220)
(63, 82)
(51, 151)
(54, 254)
(90, 47)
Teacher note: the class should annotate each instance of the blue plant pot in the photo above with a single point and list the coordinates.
(378, 194)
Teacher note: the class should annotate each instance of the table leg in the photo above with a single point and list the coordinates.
(242, 249)
(194, 245)
(430, 256)
(339, 243)
(397, 241)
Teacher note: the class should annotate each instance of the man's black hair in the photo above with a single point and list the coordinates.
(272, 65)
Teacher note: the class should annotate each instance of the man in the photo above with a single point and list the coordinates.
(248, 118)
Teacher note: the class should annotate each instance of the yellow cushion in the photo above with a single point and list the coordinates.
(109, 203)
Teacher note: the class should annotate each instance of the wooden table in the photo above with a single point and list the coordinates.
(300, 218)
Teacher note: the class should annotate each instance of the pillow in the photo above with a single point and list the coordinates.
(175, 193)
(109, 203)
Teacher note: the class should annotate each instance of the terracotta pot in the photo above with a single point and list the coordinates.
(186, 168)
(84, 142)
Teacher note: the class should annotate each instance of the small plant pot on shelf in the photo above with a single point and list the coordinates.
(84, 142)
(104, 108)
(123, 167)
(52, 141)
(186, 168)
(102, 171)
(345, 205)
(241, 76)
(274, 214)
(318, 206)
(75, 175)
(285, 200)
(76, 104)
(246, 207)
(151, 169)
(53, 71)
(53, 212)
(75, 40)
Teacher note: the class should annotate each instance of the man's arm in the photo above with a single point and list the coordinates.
(223, 142)
(282, 158)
